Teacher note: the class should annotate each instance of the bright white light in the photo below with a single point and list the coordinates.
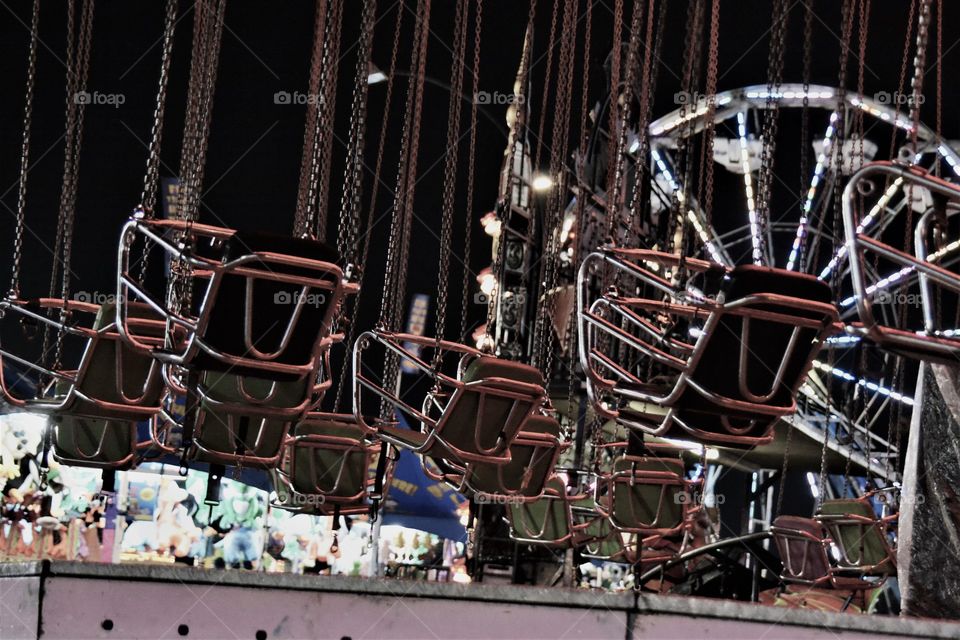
(866, 384)
(542, 183)
(491, 224)
(811, 194)
(748, 187)
(488, 281)
(814, 485)
(866, 222)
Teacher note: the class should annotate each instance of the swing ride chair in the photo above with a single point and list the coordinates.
(94, 410)
(929, 263)
(770, 322)
(533, 456)
(473, 417)
(99, 385)
(241, 280)
(326, 462)
(548, 520)
(804, 552)
(859, 535)
(645, 494)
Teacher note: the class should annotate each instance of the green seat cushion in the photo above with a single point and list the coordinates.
(533, 459)
(326, 470)
(863, 544)
(77, 438)
(235, 434)
(103, 361)
(645, 505)
(226, 388)
(545, 520)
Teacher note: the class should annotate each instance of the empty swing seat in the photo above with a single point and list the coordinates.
(860, 536)
(533, 455)
(548, 520)
(754, 344)
(102, 443)
(113, 380)
(268, 305)
(472, 418)
(113, 389)
(802, 545)
(328, 456)
(646, 495)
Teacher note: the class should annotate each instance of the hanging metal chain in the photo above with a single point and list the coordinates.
(349, 231)
(78, 58)
(14, 292)
(325, 119)
(573, 416)
(371, 210)
(706, 158)
(151, 178)
(624, 114)
(471, 167)
(769, 129)
(919, 70)
(308, 161)
(783, 470)
(805, 119)
(543, 331)
(403, 202)
(389, 303)
(204, 60)
(411, 174)
(208, 32)
(613, 120)
(450, 172)
(548, 71)
(640, 200)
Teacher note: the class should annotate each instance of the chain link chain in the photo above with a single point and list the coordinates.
(25, 152)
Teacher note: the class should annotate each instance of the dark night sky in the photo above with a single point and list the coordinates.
(255, 146)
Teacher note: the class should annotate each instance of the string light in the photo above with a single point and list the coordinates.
(866, 384)
(812, 192)
(748, 187)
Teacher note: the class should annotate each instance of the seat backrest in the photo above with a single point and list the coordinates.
(802, 548)
(107, 357)
(230, 388)
(272, 302)
(640, 501)
(329, 470)
(230, 434)
(484, 409)
(862, 542)
(546, 520)
(767, 346)
(94, 442)
(531, 458)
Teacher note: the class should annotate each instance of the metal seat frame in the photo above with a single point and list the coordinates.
(440, 404)
(135, 407)
(926, 343)
(186, 332)
(607, 484)
(608, 394)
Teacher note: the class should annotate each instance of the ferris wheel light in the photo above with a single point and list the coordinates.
(866, 384)
(748, 187)
(542, 183)
(491, 224)
(812, 193)
(487, 281)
